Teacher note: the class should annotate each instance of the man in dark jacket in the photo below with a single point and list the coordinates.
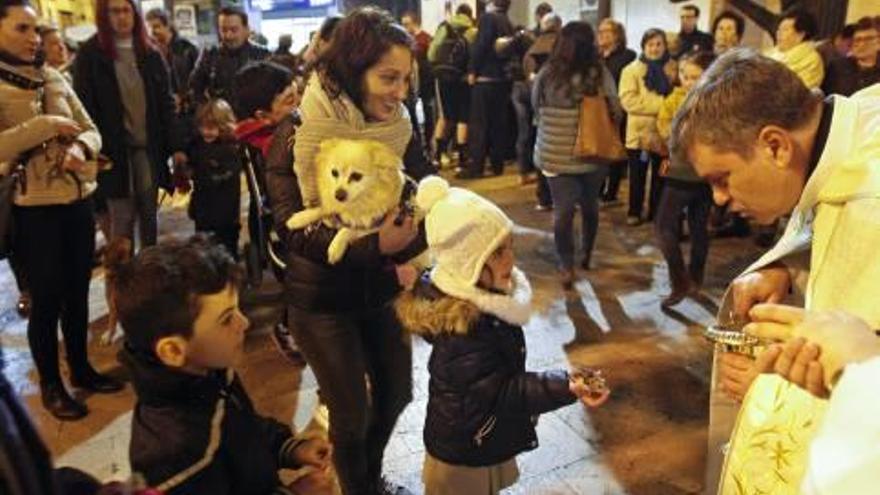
(847, 75)
(195, 430)
(488, 129)
(215, 71)
(180, 55)
(691, 38)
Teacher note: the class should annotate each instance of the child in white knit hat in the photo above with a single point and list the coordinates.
(483, 404)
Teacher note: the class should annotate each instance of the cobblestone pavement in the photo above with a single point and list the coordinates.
(648, 439)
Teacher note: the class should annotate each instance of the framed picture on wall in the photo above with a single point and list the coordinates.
(185, 20)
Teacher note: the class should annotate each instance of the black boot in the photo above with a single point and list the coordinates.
(91, 380)
(440, 146)
(681, 286)
(60, 404)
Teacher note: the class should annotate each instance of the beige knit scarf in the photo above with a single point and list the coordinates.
(324, 117)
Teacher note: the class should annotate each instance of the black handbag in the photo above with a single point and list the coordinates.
(8, 185)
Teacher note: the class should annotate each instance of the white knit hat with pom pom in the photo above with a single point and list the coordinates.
(463, 230)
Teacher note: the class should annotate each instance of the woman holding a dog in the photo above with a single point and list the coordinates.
(47, 135)
(341, 314)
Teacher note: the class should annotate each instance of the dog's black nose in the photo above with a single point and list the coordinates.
(341, 195)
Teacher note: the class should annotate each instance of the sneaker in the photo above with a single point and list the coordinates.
(540, 207)
(633, 221)
(286, 344)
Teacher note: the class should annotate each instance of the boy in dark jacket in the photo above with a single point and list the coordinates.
(483, 404)
(194, 429)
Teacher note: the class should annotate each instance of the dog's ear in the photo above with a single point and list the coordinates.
(382, 156)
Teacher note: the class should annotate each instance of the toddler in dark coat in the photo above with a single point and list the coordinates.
(215, 164)
(483, 404)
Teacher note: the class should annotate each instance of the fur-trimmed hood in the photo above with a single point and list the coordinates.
(427, 311)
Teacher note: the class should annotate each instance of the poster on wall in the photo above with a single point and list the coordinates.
(185, 20)
(148, 5)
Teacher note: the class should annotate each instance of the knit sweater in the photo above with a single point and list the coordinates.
(804, 60)
(27, 132)
(558, 110)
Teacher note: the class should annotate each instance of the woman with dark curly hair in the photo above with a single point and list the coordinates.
(341, 314)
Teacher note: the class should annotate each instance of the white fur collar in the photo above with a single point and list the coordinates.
(514, 308)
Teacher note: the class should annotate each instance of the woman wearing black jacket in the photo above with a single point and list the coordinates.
(340, 315)
(124, 84)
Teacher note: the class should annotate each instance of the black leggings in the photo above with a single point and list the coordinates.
(55, 245)
(344, 351)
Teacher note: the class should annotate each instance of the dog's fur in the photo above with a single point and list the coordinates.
(359, 183)
(117, 252)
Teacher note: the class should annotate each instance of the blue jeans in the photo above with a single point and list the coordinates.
(525, 129)
(569, 191)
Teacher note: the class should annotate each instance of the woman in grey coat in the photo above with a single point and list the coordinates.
(573, 71)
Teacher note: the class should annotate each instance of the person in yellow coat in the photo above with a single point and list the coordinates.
(817, 160)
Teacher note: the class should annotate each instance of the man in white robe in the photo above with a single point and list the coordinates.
(770, 147)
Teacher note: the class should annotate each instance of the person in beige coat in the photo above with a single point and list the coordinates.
(643, 85)
(45, 131)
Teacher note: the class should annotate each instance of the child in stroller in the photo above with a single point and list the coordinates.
(266, 98)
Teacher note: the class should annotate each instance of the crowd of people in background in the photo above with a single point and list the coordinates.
(94, 136)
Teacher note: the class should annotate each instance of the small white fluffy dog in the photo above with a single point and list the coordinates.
(359, 182)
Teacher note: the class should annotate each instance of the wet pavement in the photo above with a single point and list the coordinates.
(648, 439)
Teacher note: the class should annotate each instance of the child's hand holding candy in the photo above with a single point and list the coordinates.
(589, 386)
